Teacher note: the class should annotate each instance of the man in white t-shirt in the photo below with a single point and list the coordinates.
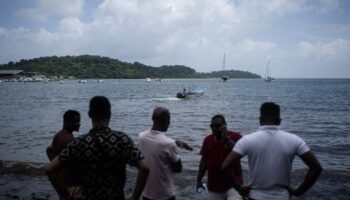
(270, 154)
(162, 157)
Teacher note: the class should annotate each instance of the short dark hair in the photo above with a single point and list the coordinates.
(69, 115)
(219, 117)
(160, 115)
(100, 108)
(270, 110)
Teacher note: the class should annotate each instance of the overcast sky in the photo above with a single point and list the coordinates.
(301, 38)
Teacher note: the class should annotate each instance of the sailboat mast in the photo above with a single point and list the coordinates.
(224, 78)
(267, 69)
(223, 64)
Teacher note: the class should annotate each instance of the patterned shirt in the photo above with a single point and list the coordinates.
(100, 157)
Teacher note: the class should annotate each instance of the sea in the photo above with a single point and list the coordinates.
(317, 110)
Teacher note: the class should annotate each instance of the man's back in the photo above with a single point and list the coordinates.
(100, 157)
(159, 151)
(270, 153)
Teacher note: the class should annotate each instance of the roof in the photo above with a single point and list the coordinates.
(12, 72)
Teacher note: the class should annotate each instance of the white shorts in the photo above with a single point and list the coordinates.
(230, 194)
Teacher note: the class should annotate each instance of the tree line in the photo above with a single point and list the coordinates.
(92, 66)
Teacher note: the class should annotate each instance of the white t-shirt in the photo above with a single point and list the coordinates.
(159, 152)
(270, 155)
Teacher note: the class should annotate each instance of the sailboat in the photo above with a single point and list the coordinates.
(224, 78)
(267, 77)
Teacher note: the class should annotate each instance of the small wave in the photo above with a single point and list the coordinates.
(165, 99)
(17, 167)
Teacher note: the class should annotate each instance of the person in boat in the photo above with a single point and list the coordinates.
(162, 156)
(270, 154)
(215, 149)
(100, 156)
(184, 93)
(71, 123)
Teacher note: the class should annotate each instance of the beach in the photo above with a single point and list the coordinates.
(30, 182)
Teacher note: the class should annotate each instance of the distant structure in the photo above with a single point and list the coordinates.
(21, 76)
(11, 74)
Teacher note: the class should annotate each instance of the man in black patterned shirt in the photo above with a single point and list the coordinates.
(100, 157)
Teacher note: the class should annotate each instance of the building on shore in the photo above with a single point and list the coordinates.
(22, 76)
(9, 75)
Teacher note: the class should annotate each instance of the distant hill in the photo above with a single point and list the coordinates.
(91, 66)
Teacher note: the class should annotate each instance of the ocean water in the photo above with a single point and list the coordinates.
(318, 110)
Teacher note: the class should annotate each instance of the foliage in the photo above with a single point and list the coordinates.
(92, 66)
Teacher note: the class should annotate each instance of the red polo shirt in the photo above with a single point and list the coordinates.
(216, 152)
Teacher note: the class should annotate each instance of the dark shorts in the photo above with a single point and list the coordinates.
(145, 198)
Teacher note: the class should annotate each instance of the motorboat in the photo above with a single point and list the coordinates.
(195, 93)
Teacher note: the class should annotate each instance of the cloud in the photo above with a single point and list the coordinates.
(326, 6)
(194, 33)
(71, 26)
(324, 51)
(45, 9)
(256, 9)
(248, 45)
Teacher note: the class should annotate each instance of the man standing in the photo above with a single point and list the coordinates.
(214, 150)
(100, 157)
(270, 155)
(71, 122)
(161, 155)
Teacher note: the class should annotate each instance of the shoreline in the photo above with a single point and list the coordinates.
(19, 181)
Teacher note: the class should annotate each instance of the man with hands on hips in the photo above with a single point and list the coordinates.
(270, 152)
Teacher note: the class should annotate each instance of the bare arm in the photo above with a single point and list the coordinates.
(141, 179)
(227, 140)
(53, 172)
(50, 152)
(201, 171)
(312, 175)
(182, 144)
(227, 167)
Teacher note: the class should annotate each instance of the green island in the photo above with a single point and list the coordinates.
(93, 66)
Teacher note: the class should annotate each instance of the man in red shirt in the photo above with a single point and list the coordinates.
(215, 148)
(71, 122)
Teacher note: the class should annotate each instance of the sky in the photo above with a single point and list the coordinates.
(300, 38)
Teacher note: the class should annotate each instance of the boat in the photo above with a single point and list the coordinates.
(148, 80)
(82, 81)
(267, 77)
(224, 78)
(195, 93)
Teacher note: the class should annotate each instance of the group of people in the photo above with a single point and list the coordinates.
(93, 165)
